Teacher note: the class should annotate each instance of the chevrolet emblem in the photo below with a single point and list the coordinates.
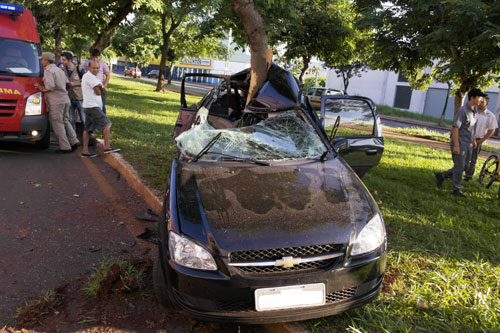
(287, 262)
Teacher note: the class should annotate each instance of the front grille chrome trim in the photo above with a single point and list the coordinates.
(273, 262)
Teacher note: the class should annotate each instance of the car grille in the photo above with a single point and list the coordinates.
(7, 107)
(279, 253)
(249, 306)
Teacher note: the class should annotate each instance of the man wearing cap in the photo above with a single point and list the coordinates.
(54, 88)
(462, 142)
(485, 127)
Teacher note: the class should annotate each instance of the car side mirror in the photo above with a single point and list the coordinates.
(341, 145)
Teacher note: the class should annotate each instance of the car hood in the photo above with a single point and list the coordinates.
(244, 207)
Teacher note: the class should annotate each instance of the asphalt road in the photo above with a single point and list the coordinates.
(60, 215)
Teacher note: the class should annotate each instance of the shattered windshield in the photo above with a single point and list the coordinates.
(281, 137)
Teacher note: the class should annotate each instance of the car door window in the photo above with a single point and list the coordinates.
(319, 92)
(356, 116)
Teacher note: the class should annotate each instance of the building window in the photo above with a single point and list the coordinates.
(402, 78)
(403, 97)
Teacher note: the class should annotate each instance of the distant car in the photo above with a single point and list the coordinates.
(133, 72)
(314, 94)
(263, 219)
(153, 74)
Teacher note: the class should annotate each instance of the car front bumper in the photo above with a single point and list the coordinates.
(221, 297)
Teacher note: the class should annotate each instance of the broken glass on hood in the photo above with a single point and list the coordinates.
(280, 137)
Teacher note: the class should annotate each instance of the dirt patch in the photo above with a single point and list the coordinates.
(389, 279)
(118, 307)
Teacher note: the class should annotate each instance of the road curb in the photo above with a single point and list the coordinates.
(126, 170)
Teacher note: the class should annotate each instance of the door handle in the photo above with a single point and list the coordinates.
(371, 152)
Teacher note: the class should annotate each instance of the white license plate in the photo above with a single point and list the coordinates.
(290, 297)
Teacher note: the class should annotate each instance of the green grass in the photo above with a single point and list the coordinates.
(390, 111)
(143, 121)
(443, 268)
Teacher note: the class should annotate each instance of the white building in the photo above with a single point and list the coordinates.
(392, 89)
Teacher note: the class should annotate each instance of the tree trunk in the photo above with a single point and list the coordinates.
(257, 39)
(104, 38)
(164, 48)
(445, 104)
(57, 46)
(306, 60)
(459, 99)
(170, 72)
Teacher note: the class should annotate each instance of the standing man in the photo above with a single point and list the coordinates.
(462, 142)
(485, 127)
(104, 75)
(92, 90)
(54, 87)
(74, 87)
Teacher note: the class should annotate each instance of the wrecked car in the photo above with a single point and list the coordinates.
(265, 218)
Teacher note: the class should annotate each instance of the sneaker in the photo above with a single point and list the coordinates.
(63, 151)
(75, 146)
(439, 179)
(457, 193)
(111, 150)
(89, 155)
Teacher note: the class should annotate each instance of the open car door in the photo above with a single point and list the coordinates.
(357, 122)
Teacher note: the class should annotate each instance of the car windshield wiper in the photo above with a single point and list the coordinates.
(207, 147)
(227, 157)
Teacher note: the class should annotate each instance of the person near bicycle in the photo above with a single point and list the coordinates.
(462, 142)
(485, 127)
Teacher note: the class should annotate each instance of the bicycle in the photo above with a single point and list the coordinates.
(490, 172)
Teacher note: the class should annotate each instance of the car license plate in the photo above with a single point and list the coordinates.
(290, 297)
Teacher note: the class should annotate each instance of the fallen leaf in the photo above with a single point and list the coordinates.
(422, 305)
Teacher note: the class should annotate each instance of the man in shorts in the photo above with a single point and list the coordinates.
(92, 90)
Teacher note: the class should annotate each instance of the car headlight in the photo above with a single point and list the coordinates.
(370, 238)
(186, 253)
(34, 105)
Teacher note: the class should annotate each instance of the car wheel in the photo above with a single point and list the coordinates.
(160, 282)
(44, 142)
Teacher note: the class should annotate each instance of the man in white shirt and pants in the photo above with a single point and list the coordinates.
(95, 118)
(485, 127)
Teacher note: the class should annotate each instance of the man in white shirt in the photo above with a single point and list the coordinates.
(485, 127)
(92, 89)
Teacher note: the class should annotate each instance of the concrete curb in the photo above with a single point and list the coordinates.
(130, 174)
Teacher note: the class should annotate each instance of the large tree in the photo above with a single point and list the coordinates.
(454, 41)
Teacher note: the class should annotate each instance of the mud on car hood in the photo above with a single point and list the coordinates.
(243, 207)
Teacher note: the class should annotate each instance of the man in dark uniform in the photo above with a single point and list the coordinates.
(462, 142)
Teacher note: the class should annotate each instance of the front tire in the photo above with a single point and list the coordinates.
(160, 282)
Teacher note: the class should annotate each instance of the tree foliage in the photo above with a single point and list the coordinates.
(446, 40)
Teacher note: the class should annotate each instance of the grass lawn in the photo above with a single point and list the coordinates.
(443, 269)
(390, 111)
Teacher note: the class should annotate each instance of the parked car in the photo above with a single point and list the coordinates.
(133, 72)
(263, 220)
(153, 74)
(314, 94)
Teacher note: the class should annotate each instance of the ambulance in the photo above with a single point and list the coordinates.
(23, 114)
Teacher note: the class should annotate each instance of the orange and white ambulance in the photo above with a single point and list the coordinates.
(23, 114)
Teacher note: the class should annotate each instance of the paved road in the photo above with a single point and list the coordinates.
(59, 216)
(494, 141)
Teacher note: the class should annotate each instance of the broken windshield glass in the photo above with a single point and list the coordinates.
(284, 136)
